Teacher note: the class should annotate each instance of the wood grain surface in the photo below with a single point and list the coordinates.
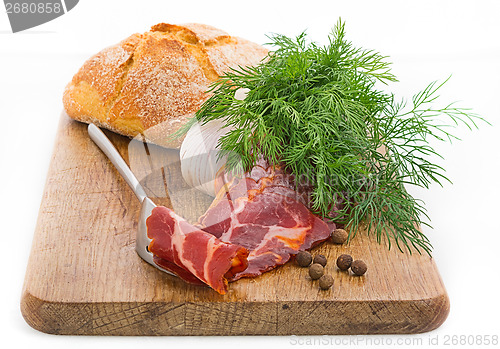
(84, 276)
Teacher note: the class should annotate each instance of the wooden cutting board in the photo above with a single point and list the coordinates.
(84, 276)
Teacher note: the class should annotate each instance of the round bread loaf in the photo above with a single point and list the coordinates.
(150, 84)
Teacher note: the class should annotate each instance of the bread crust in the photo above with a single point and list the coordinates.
(150, 84)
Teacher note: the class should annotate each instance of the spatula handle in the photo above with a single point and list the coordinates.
(114, 156)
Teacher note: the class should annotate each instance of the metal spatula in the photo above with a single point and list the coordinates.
(142, 240)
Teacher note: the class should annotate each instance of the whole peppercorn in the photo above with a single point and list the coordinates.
(358, 267)
(304, 258)
(344, 261)
(339, 236)
(316, 271)
(320, 259)
(325, 282)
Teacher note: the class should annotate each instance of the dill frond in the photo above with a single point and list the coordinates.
(316, 110)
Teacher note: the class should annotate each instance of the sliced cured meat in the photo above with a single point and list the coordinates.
(262, 213)
(194, 255)
(274, 178)
(256, 222)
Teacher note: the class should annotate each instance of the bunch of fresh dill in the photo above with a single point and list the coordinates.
(316, 111)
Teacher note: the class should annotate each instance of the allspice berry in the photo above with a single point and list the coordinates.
(320, 259)
(325, 282)
(339, 236)
(303, 258)
(344, 261)
(316, 271)
(358, 267)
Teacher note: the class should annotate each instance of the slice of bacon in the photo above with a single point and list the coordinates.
(194, 255)
(262, 212)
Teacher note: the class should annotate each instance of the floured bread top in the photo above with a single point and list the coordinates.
(149, 84)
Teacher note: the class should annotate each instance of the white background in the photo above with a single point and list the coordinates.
(426, 40)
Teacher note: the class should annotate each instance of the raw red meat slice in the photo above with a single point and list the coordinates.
(194, 255)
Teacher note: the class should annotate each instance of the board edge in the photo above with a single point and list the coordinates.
(60, 318)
